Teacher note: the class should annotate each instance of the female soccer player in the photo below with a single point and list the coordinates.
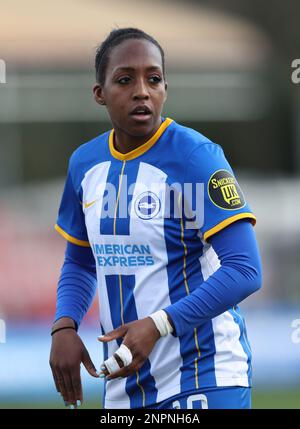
(153, 214)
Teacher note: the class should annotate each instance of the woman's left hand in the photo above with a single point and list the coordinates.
(140, 337)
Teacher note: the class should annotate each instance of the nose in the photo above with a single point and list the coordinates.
(140, 90)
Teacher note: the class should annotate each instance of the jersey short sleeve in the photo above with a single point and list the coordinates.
(222, 201)
(71, 222)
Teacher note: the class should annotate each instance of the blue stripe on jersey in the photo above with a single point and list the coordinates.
(121, 176)
(130, 173)
(140, 394)
(113, 177)
(239, 319)
(206, 362)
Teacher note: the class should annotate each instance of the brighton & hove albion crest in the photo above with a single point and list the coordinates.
(147, 205)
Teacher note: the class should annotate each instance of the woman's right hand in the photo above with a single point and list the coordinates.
(67, 353)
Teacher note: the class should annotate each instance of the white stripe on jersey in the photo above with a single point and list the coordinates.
(230, 359)
(231, 364)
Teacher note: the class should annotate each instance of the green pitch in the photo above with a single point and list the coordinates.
(286, 399)
(269, 399)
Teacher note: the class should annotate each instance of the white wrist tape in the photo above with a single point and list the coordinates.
(124, 354)
(162, 323)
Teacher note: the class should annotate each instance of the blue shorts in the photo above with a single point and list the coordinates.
(214, 398)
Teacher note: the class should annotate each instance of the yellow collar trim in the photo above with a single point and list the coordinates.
(141, 149)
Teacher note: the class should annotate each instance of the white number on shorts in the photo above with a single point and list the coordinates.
(176, 405)
(193, 398)
(190, 401)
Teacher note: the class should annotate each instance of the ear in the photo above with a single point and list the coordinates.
(166, 88)
(98, 94)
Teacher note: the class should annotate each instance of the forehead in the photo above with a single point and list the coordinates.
(134, 53)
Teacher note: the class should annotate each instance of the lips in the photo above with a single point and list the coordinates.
(141, 110)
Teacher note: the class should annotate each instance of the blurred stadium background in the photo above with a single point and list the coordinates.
(229, 73)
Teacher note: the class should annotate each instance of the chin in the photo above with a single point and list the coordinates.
(143, 128)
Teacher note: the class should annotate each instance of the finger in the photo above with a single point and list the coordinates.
(119, 360)
(89, 366)
(127, 370)
(62, 386)
(56, 384)
(70, 391)
(55, 378)
(104, 371)
(112, 335)
(124, 372)
(111, 365)
(77, 387)
(104, 368)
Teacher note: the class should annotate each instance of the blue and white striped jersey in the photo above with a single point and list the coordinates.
(147, 216)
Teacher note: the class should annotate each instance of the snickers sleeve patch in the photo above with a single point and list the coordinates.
(224, 191)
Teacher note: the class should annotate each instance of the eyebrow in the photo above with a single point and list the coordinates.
(150, 68)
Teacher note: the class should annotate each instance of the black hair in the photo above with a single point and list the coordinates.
(114, 38)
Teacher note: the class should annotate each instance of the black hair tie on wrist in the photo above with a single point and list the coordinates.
(64, 327)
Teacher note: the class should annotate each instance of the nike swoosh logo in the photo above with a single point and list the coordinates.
(86, 205)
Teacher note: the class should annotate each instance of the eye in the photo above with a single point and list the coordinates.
(123, 80)
(155, 79)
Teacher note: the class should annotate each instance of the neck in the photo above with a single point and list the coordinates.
(124, 142)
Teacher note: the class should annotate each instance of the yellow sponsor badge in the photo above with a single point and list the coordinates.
(224, 191)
